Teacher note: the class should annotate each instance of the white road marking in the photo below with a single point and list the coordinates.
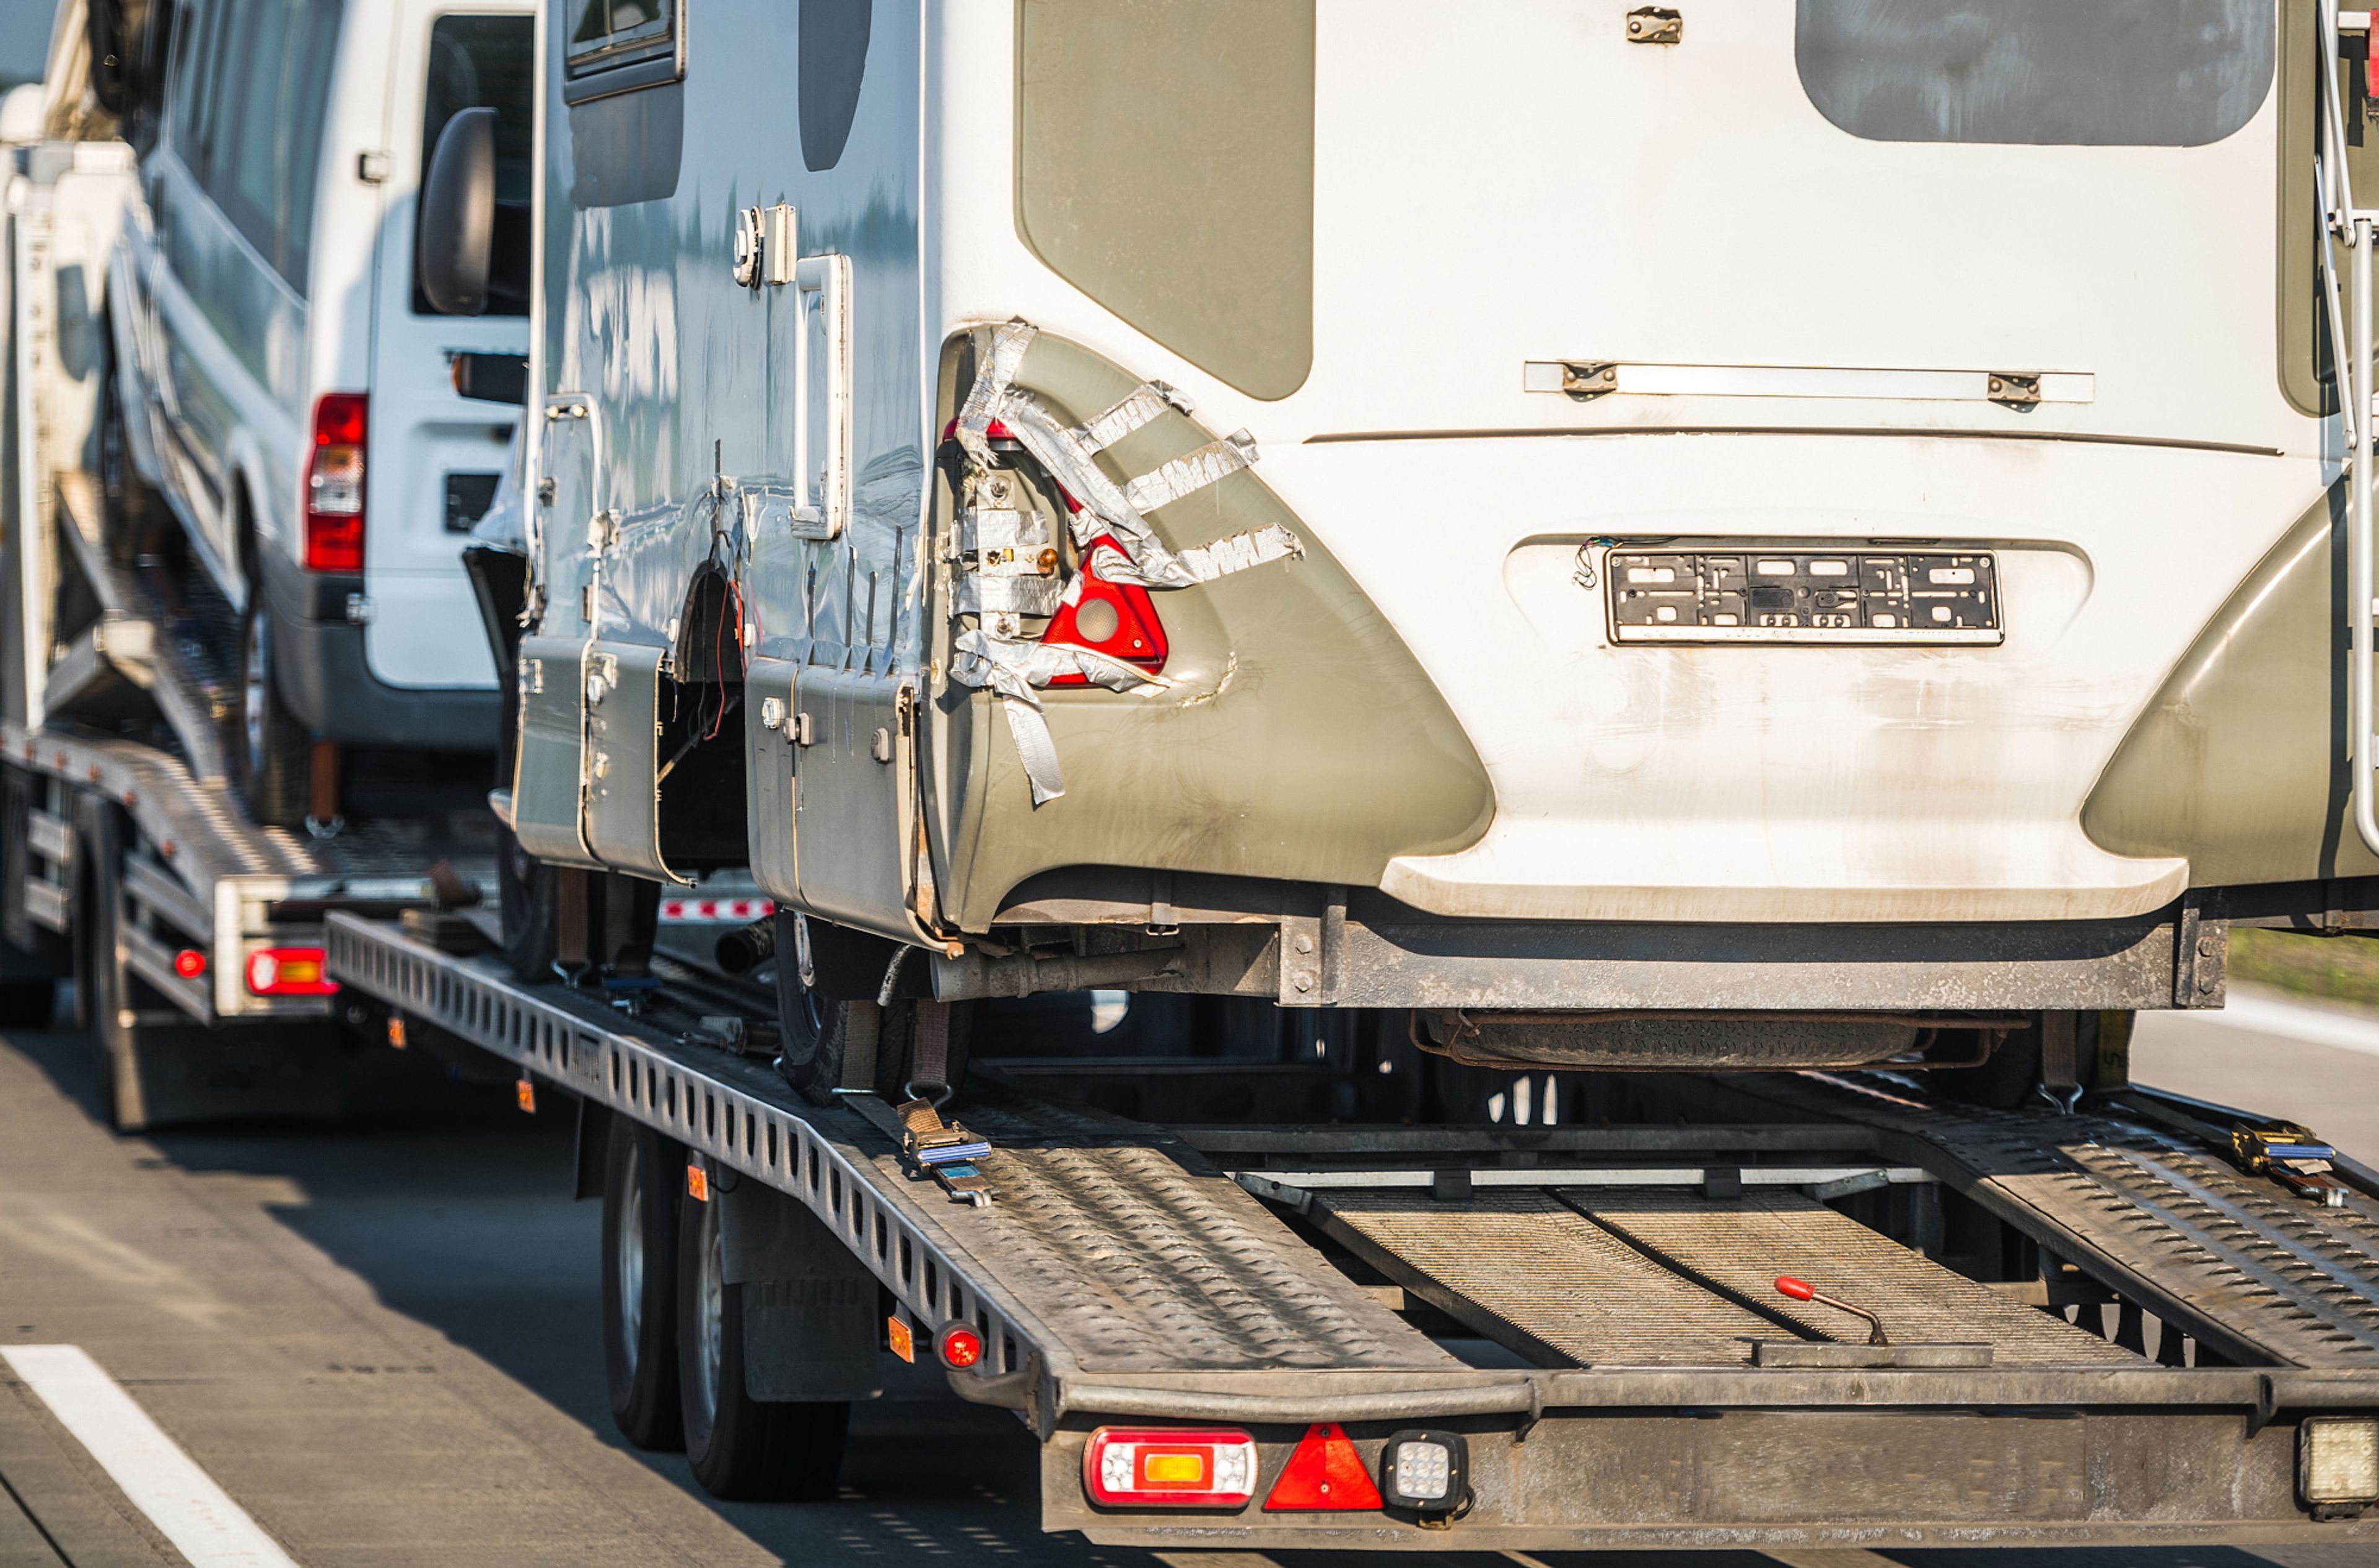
(182, 1500)
(2290, 1020)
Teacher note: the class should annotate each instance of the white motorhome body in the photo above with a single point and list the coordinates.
(1878, 561)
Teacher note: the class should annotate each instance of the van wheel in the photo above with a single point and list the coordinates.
(133, 511)
(741, 1448)
(273, 748)
(642, 1177)
(527, 903)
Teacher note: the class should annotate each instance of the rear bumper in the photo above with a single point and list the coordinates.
(1743, 1458)
(323, 675)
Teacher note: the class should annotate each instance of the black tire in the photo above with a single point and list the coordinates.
(739, 1448)
(271, 749)
(526, 900)
(135, 513)
(644, 1173)
(27, 1004)
(99, 978)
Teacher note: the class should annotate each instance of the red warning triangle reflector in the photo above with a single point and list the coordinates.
(1324, 1472)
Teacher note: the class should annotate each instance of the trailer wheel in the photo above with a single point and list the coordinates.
(741, 1448)
(642, 1173)
(273, 748)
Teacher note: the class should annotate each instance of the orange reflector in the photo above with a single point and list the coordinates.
(1160, 1469)
(528, 1094)
(697, 1183)
(1324, 1472)
(189, 963)
(904, 1343)
(397, 1033)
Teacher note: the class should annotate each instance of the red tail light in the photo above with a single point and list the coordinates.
(1179, 1468)
(334, 483)
(1115, 619)
(957, 1346)
(289, 972)
(189, 963)
(1326, 1472)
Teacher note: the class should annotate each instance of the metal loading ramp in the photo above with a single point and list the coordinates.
(1666, 1280)
(2236, 1262)
(1740, 1246)
(1141, 1263)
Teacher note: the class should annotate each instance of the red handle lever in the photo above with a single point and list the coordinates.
(1799, 1290)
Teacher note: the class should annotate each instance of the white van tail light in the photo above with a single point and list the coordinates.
(1126, 1468)
(334, 483)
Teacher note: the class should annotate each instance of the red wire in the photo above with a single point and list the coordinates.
(718, 659)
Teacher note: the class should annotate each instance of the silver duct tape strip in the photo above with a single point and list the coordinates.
(992, 382)
(1146, 402)
(1013, 670)
(1191, 472)
(983, 594)
(1218, 559)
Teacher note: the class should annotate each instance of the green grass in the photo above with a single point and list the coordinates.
(2337, 969)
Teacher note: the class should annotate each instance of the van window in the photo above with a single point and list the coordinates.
(263, 141)
(2073, 73)
(199, 86)
(619, 44)
(489, 62)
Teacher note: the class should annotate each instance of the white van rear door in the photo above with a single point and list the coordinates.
(435, 455)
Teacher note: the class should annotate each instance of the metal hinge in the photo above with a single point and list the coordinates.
(1655, 24)
(359, 609)
(2013, 390)
(1589, 378)
(371, 167)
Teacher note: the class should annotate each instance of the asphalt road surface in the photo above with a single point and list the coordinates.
(378, 1340)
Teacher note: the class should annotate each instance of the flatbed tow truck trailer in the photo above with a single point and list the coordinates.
(1583, 1317)
(195, 936)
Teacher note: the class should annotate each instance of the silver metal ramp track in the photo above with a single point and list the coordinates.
(1095, 1258)
(2234, 1260)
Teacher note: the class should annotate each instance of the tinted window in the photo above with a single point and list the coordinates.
(262, 137)
(2095, 73)
(619, 44)
(488, 62)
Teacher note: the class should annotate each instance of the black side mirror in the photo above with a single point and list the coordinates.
(126, 40)
(454, 222)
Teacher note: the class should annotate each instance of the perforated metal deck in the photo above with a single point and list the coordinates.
(2234, 1260)
(1098, 1255)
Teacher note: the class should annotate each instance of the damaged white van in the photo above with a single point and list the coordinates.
(282, 381)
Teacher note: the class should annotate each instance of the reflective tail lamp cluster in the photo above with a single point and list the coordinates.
(1125, 1467)
(289, 972)
(1423, 1473)
(334, 483)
